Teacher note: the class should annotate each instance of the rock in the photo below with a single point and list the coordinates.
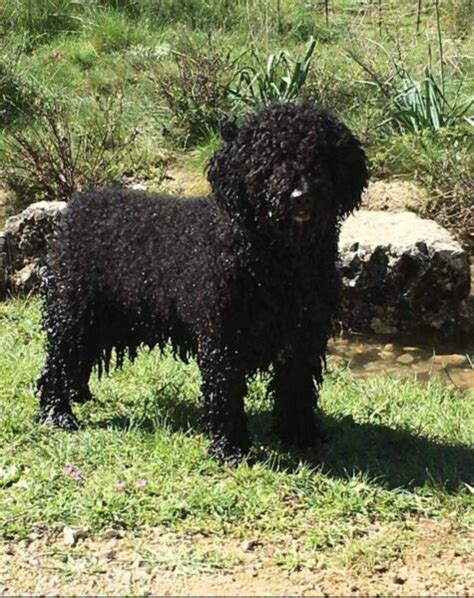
(113, 534)
(400, 273)
(251, 545)
(72, 535)
(453, 360)
(399, 579)
(405, 359)
(138, 186)
(381, 568)
(26, 238)
(462, 379)
(411, 349)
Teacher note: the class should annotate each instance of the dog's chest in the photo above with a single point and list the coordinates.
(276, 311)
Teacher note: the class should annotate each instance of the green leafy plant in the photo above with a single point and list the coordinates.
(416, 105)
(278, 79)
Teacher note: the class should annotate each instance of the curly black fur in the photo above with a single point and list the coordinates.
(243, 279)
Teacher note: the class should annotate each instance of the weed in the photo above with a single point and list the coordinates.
(416, 105)
(16, 91)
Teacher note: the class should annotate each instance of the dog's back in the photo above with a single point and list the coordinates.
(143, 267)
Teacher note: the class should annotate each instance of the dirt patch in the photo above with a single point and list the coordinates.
(189, 184)
(393, 196)
(437, 561)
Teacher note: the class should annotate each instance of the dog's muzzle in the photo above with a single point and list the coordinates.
(302, 205)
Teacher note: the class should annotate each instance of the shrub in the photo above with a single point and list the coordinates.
(66, 149)
(196, 92)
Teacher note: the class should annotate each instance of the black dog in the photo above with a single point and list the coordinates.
(243, 279)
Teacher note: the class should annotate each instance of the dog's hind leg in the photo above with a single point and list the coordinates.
(295, 399)
(68, 365)
(223, 388)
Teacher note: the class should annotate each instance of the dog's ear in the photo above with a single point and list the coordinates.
(348, 165)
(228, 129)
(224, 174)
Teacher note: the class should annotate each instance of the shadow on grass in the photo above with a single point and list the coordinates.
(392, 458)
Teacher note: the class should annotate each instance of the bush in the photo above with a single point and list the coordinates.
(196, 92)
(66, 149)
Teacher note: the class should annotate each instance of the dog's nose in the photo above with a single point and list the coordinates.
(301, 204)
(301, 197)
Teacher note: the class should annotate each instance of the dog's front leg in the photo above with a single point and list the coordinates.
(295, 395)
(223, 390)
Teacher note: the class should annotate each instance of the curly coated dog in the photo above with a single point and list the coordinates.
(244, 279)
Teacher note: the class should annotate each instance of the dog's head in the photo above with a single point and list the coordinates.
(288, 166)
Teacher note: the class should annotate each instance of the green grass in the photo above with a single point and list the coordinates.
(397, 451)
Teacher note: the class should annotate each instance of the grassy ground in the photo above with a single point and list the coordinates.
(167, 71)
(395, 471)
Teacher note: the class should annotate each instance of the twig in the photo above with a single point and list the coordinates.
(280, 23)
(440, 43)
(446, 371)
(380, 16)
(418, 16)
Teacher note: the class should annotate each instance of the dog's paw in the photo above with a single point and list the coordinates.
(302, 434)
(228, 453)
(64, 421)
(84, 397)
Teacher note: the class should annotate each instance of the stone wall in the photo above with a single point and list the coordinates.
(401, 273)
(25, 244)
